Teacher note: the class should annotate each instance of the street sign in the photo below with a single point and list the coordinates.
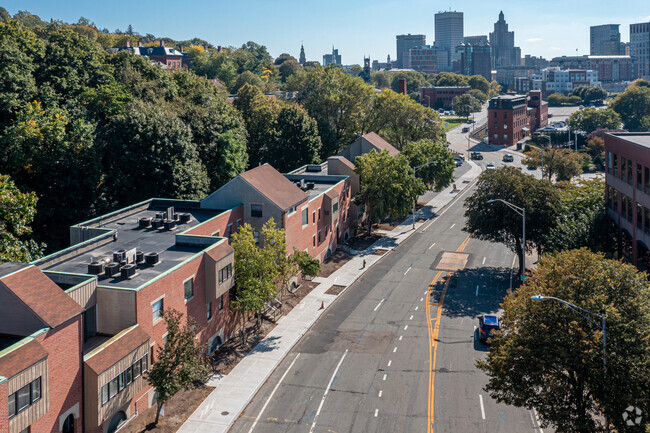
(522, 278)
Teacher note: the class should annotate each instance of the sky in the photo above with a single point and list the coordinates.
(356, 28)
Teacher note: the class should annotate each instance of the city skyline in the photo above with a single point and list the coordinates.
(282, 26)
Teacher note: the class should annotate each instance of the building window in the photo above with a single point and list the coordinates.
(314, 240)
(629, 171)
(313, 217)
(335, 207)
(104, 394)
(496, 137)
(319, 237)
(646, 178)
(623, 165)
(256, 210)
(292, 209)
(24, 397)
(615, 197)
(615, 164)
(639, 215)
(156, 309)
(629, 209)
(209, 308)
(225, 273)
(305, 216)
(318, 214)
(123, 380)
(229, 230)
(189, 289)
(496, 125)
(256, 236)
(639, 177)
(646, 220)
(505, 126)
(221, 303)
(505, 137)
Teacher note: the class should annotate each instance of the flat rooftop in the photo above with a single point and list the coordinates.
(638, 138)
(320, 180)
(146, 240)
(8, 340)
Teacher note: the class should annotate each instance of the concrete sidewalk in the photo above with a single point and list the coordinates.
(233, 392)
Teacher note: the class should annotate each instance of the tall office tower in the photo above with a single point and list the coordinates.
(303, 59)
(604, 40)
(476, 40)
(640, 47)
(404, 44)
(502, 41)
(449, 33)
(335, 58)
(475, 60)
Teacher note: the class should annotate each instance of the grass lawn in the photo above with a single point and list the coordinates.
(451, 122)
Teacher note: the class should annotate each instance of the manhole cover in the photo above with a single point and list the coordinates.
(452, 261)
(225, 412)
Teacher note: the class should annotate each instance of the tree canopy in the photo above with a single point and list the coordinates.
(17, 211)
(591, 119)
(436, 176)
(633, 106)
(466, 104)
(564, 164)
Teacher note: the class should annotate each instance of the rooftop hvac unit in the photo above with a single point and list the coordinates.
(170, 224)
(156, 223)
(118, 256)
(161, 215)
(151, 259)
(144, 222)
(185, 217)
(139, 257)
(128, 271)
(96, 268)
(311, 185)
(112, 269)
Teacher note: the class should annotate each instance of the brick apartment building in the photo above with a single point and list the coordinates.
(441, 96)
(170, 58)
(610, 69)
(512, 117)
(628, 190)
(421, 59)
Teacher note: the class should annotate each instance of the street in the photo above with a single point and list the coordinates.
(396, 351)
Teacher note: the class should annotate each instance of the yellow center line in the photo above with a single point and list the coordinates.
(434, 332)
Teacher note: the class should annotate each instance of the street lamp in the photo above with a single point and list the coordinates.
(521, 211)
(414, 170)
(603, 327)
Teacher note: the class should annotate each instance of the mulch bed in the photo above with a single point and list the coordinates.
(335, 289)
(335, 261)
(363, 241)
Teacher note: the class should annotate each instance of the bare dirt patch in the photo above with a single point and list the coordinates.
(335, 289)
(363, 240)
(335, 261)
(177, 410)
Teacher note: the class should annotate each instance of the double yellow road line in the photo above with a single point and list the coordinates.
(434, 331)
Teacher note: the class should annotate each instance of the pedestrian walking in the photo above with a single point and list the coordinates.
(364, 264)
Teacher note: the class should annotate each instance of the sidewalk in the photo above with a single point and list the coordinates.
(233, 392)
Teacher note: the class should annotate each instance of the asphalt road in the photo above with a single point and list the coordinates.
(396, 351)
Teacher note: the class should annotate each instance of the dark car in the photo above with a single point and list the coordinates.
(508, 158)
(476, 155)
(486, 326)
(458, 162)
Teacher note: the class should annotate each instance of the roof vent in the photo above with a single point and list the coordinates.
(112, 269)
(144, 222)
(128, 271)
(310, 185)
(139, 257)
(151, 259)
(119, 256)
(96, 268)
(185, 217)
(157, 223)
(170, 224)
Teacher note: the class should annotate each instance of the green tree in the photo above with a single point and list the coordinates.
(590, 94)
(478, 82)
(496, 222)
(414, 80)
(308, 266)
(4, 15)
(381, 79)
(591, 119)
(582, 219)
(596, 149)
(437, 176)
(288, 68)
(17, 210)
(339, 103)
(450, 79)
(296, 141)
(562, 163)
(466, 104)
(480, 96)
(179, 361)
(246, 77)
(400, 120)
(388, 187)
(495, 89)
(633, 106)
(551, 358)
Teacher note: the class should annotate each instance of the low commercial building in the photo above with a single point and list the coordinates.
(610, 68)
(628, 191)
(422, 59)
(512, 117)
(441, 96)
(556, 80)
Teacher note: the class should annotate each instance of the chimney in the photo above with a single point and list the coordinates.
(162, 43)
(181, 48)
(402, 86)
(128, 43)
(139, 43)
(219, 49)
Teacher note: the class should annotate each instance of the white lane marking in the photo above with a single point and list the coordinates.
(537, 419)
(514, 258)
(389, 362)
(476, 291)
(411, 318)
(378, 305)
(484, 260)
(426, 292)
(273, 392)
(400, 337)
(431, 246)
(452, 226)
(480, 398)
(327, 389)
(394, 349)
(376, 412)
(407, 271)
(380, 392)
(406, 327)
(384, 377)
(421, 299)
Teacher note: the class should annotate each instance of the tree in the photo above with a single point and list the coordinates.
(591, 119)
(436, 176)
(179, 361)
(551, 358)
(288, 68)
(465, 104)
(496, 222)
(450, 79)
(4, 15)
(296, 141)
(400, 120)
(596, 149)
(414, 81)
(246, 77)
(633, 106)
(387, 185)
(478, 82)
(590, 94)
(381, 79)
(562, 163)
(495, 89)
(309, 266)
(582, 219)
(17, 210)
(482, 97)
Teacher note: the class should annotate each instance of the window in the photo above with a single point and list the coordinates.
(229, 230)
(36, 390)
(24, 397)
(496, 137)
(639, 177)
(305, 216)
(615, 193)
(639, 215)
(225, 273)
(319, 237)
(629, 171)
(496, 125)
(505, 126)
(221, 303)
(335, 207)
(314, 240)
(121, 382)
(609, 162)
(104, 394)
(615, 165)
(318, 214)
(136, 370)
(12, 405)
(209, 308)
(646, 220)
(129, 375)
(292, 209)
(256, 236)
(505, 137)
(623, 165)
(256, 210)
(629, 209)
(112, 388)
(156, 309)
(313, 217)
(189, 289)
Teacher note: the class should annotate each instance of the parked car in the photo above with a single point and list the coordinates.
(452, 112)
(458, 161)
(465, 129)
(490, 166)
(446, 113)
(550, 115)
(508, 158)
(581, 107)
(476, 155)
(461, 156)
(486, 326)
(470, 121)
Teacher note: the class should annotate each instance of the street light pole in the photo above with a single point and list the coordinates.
(521, 211)
(414, 170)
(603, 327)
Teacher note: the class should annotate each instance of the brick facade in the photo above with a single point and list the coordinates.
(442, 96)
(512, 117)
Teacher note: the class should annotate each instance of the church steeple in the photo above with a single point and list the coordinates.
(302, 58)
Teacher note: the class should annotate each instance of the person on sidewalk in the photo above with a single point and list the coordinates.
(364, 264)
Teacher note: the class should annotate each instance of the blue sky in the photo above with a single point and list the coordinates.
(548, 28)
